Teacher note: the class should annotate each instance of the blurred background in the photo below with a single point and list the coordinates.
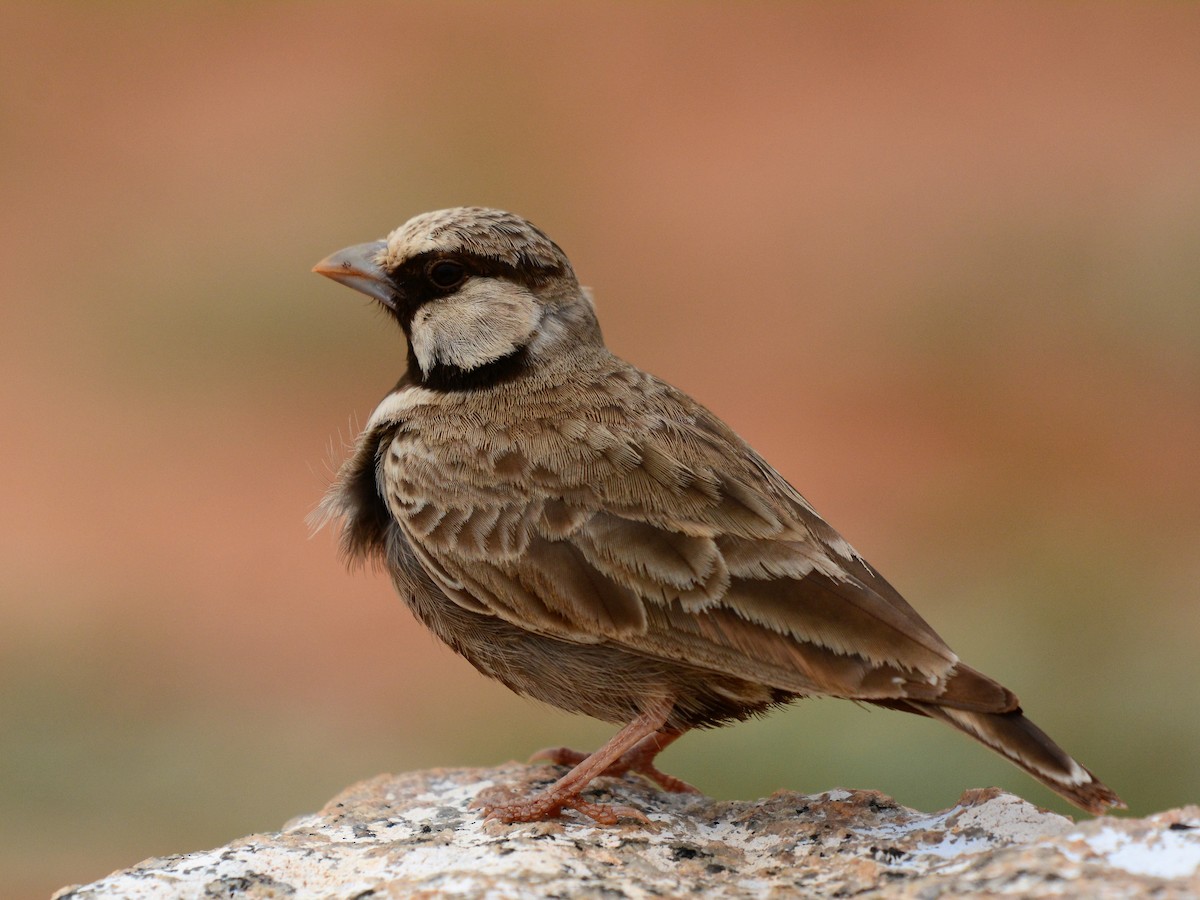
(940, 264)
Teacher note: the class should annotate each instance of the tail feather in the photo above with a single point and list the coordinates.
(1015, 737)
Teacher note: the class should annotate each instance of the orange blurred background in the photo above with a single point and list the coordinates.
(940, 264)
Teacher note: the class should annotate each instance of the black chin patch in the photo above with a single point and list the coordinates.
(446, 378)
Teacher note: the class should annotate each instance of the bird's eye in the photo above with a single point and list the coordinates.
(446, 273)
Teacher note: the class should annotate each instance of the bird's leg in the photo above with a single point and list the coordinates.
(639, 760)
(566, 792)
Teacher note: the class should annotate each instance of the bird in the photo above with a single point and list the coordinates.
(594, 538)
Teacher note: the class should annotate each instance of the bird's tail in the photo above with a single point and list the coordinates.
(1014, 736)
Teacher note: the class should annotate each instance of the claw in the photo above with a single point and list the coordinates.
(548, 804)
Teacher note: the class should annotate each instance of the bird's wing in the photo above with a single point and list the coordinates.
(659, 529)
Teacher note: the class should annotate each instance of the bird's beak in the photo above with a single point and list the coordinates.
(356, 267)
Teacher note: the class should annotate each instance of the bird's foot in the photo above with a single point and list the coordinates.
(633, 748)
(508, 806)
(639, 760)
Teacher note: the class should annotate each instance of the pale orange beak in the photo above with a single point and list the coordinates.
(356, 267)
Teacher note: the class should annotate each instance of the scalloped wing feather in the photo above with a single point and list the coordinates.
(622, 510)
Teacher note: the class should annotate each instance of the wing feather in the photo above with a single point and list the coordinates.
(658, 529)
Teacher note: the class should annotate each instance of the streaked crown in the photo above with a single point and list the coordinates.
(490, 233)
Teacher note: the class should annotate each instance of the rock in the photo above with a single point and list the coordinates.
(416, 835)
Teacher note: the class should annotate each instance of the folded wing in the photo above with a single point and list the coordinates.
(676, 540)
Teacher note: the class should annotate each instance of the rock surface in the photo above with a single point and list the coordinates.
(415, 835)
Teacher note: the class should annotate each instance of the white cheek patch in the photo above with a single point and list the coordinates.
(486, 319)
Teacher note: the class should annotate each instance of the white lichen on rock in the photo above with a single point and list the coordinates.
(416, 835)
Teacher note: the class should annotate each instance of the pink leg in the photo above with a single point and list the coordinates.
(639, 760)
(565, 793)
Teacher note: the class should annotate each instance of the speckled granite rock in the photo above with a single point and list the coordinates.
(414, 835)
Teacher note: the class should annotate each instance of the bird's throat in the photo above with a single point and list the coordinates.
(448, 377)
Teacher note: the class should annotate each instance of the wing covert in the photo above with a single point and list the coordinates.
(669, 536)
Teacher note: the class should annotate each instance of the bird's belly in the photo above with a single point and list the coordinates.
(603, 680)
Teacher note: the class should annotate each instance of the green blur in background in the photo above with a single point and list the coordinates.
(939, 264)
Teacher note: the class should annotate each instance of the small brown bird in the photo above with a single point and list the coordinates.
(595, 538)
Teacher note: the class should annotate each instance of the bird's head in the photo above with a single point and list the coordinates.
(481, 294)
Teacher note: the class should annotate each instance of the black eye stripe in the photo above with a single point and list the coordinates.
(415, 287)
(418, 267)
